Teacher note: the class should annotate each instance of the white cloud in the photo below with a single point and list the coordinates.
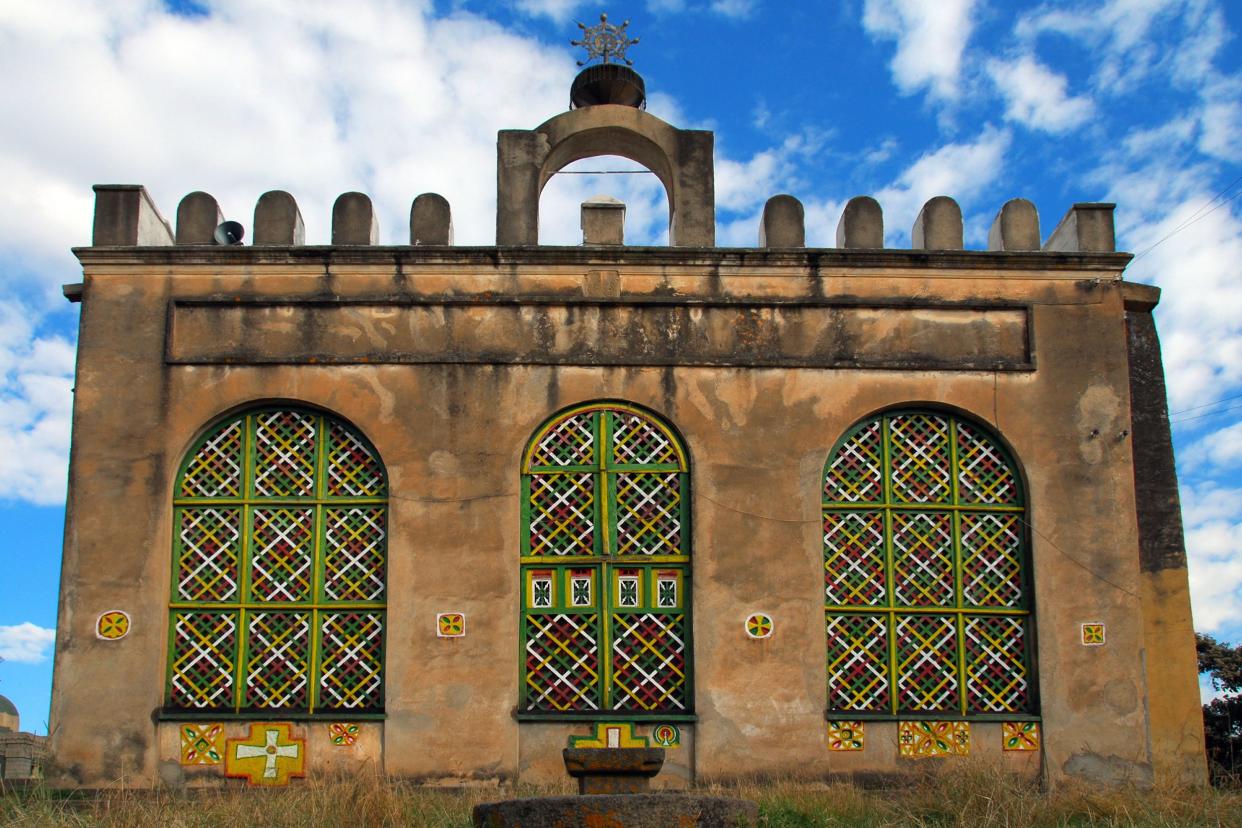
(930, 40)
(558, 10)
(734, 8)
(961, 171)
(26, 643)
(1212, 516)
(1035, 95)
(36, 375)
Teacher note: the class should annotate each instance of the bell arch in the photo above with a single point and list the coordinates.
(681, 159)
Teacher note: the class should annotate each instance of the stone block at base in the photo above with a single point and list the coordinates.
(655, 810)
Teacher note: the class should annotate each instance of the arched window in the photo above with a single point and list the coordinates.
(927, 591)
(279, 569)
(605, 566)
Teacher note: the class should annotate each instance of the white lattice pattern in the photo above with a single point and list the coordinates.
(571, 442)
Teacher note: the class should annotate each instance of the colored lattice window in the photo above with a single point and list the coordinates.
(605, 567)
(926, 577)
(279, 569)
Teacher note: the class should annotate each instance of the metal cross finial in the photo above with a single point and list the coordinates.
(605, 41)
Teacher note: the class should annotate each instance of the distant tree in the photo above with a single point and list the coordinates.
(1222, 718)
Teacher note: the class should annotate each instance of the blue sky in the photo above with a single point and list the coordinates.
(1133, 101)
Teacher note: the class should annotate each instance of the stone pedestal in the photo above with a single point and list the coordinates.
(613, 770)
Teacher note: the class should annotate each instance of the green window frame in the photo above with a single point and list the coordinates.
(605, 568)
(279, 570)
(927, 591)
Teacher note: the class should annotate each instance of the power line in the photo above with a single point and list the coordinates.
(1206, 405)
(1201, 416)
(1195, 217)
(603, 172)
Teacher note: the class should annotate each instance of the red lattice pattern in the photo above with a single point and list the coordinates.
(215, 469)
(648, 662)
(352, 651)
(562, 662)
(855, 473)
(353, 471)
(210, 546)
(983, 474)
(995, 664)
(854, 558)
(648, 513)
(354, 553)
(926, 659)
(562, 514)
(637, 441)
(858, 663)
(284, 454)
(571, 442)
(923, 558)
(991, 559)
(282, 554)
(277, 672)
(920, 458)
(203, 651)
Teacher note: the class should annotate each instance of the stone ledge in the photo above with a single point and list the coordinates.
(653, 810)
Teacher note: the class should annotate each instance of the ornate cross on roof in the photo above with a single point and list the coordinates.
(605, 41)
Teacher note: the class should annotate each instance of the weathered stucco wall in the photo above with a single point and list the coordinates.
(1034, 345)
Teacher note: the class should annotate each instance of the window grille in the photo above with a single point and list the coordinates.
(279, 569)
(927, 595)
(605, 626)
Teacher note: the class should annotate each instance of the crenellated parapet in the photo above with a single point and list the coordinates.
(126, 216)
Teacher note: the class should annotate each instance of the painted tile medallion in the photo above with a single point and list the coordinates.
(846, 736)
(343, 734)
(1093, 634)
(450, 624)
(202, 744)
(112, 625)
(759, 625)
(923, 739)
(666, 735)
(1020, 735)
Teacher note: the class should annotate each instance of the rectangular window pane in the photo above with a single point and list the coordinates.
(648, 509)
(562, 514)
(562, 661)
(854, 558)
(926, 663)
(920, 460)
(649, 662)
(277, 666)
(923, 559)
(996, 680)
(354, 553)
(204, 652)
(991, 559)
(210, 545)
(282, 550)
(284, 448)
(351, 660)
(858, 663)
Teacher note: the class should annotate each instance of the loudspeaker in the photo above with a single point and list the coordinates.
(230, 232)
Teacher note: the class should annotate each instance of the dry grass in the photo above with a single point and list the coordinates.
(971, 795)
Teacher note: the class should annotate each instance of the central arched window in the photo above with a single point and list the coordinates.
(927, 593)
(279, 569)
(605, 566)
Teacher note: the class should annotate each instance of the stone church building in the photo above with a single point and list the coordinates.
(432, 510)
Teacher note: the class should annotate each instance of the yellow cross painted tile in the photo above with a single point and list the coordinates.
(270, 755)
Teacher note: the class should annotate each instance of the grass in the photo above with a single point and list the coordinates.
(971, 795)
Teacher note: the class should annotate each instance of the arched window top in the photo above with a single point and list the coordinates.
(927, 593)
(282, 452)
(279, 570)
(921, 456)
(603, 436)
